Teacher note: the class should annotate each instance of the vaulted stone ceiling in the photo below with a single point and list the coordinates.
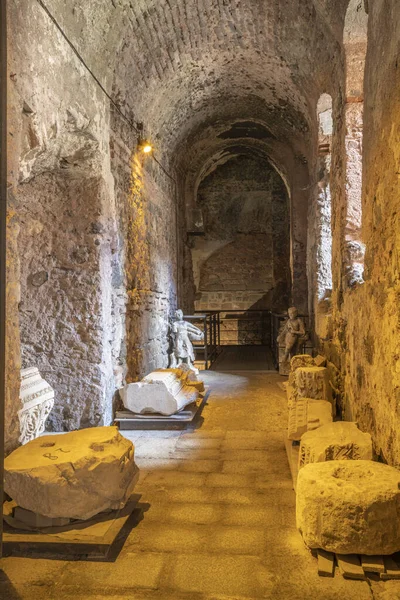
(189, 69)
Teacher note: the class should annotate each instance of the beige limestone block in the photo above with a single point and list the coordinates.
(349, 507)
(307, 414)
(335, 441)
(73, 475)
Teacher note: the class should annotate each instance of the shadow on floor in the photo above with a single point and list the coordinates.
(244, 358)
(7, 590)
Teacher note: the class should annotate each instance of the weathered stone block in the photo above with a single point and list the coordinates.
(74, 475)
(165, 391)
(307, 414)
(335, 441)
(349, 507)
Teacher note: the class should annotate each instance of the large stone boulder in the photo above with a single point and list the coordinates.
(349, 507)
(335, 441)
(164, 391)
(74, 475)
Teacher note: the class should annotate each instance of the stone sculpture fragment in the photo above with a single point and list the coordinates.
(165, 391)
(37, 399)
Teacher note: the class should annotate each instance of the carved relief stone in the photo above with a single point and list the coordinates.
(37, 399)
(307, 414)
(312, 382)
(335, 441)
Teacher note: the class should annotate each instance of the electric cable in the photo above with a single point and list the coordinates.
(96, 79)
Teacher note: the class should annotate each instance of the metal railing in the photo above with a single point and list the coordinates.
(250, 327)
(208, 349)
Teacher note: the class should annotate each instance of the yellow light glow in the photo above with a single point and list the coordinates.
(147, 148)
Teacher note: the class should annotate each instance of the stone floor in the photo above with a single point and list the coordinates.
(220, 523)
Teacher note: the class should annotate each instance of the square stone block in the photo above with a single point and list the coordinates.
(349, 507)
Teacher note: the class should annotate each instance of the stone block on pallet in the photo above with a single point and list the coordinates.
(349, 507)
(74, 475)
(335, 441)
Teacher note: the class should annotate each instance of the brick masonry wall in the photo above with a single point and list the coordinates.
(245, 214)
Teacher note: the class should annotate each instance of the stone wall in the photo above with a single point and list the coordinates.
(362, 336)
(244, 256)
(92, 248)
(148, 254)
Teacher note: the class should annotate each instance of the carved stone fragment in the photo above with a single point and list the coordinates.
(37, 399)
(312, 382)
(73, 475)
(335, 441)
(165, 391)
(306, 415)
(349, 507)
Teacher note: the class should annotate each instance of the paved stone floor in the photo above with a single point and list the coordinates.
(220, 523)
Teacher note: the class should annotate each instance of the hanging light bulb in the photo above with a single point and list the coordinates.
(145, 146)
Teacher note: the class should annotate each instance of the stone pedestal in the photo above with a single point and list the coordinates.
(349, 507)
(306, 415)
(37, 399)
(165, 392)
(335, 441)
(73, 475)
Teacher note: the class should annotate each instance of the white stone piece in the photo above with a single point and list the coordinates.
(165, 391)
(37, 399)
(335, 441)
(306, 415)
(349, 507)
(73, 475)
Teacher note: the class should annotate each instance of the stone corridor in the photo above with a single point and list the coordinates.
(219, 521)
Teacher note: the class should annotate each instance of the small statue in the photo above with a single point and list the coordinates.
(182, 334)
(292, 335)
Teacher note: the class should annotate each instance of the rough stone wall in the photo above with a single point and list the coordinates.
(95, 299)
(362, 338)
(145, 284)
(62, 187)
(244, 207)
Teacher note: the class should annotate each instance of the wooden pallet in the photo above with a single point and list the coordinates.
(127, 420)
(353, 566)
(100, 538)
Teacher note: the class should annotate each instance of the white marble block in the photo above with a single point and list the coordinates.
(37, 399)
(336, 441)
(73, 475)
(349, 507)
(165, 391)
(306, 415)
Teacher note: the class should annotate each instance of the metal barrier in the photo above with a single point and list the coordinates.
(207, 350)
(249, 327)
